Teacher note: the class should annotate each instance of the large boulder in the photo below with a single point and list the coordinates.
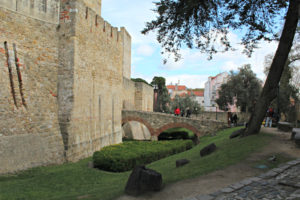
(237, 133)
(143, 180)
(208, 150)
(294, 132)
(284, 126)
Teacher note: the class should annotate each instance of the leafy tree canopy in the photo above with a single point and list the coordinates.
(205, 24)
(139, 80)
(159, 81)
(243, 89)
(185, 102)
(163, 98)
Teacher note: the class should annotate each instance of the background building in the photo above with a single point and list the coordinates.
(176, 90)
(212, 86)
(197, 95)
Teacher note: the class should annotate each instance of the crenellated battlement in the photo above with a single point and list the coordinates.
(98, 25)
(94, 4)
(45, 10)
(86, 17)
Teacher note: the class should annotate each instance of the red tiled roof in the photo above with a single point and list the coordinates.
(199, 93)
(172, 87)
(179, 87)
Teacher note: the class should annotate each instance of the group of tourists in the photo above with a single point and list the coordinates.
(187, 112)
(232, 117)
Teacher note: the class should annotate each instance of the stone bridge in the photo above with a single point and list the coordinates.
(159, 122)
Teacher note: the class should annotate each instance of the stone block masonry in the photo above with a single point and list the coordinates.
(61, 78)
(90, 114)
(137, 96)
(44, 10)
(30, 133)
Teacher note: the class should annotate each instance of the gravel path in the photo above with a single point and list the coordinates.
(279, 183)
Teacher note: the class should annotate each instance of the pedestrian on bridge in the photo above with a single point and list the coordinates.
(188, 112)
(177, 111)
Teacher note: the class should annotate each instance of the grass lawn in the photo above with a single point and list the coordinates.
(77, 181)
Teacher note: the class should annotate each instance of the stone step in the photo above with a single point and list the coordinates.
(285, 126)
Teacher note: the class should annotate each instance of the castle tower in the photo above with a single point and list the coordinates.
(94, 4)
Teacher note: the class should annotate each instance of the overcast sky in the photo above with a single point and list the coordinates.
(194, 69)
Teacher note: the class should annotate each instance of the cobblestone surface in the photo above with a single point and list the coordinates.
(279, 183)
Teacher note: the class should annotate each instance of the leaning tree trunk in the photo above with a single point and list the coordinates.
(277, 66)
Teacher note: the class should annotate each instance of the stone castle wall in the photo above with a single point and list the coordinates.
(137, 96)
(45, 10)
(126, 38)
(94, 84)
(143, 97)
(64, 86)
(30, 133)
(95, 5)
(128, 94)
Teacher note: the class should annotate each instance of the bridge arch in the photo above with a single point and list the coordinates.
(131, 118)
(178, 125)
(158, 131)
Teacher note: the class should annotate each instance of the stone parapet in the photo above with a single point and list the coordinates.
(45, 10)
(158, 122)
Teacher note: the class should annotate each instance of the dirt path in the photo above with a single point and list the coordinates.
(214, 181)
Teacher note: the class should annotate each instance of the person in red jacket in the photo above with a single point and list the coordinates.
(177, 111)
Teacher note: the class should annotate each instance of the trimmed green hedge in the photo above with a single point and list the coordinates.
(125, 156)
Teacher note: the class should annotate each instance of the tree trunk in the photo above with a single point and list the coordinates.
(277, 66)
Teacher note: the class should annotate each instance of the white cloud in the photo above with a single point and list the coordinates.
(145, 50)
(191, 81)
(230, 65)
(172, 65)
(133, 14)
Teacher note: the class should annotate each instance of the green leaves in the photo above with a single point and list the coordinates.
(163, 98)
(242, 88)
(191, 22)
(185, 102)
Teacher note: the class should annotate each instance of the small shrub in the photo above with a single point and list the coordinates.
(125, 156)
(177, 135)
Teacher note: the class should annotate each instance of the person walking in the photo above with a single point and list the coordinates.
(234, 119)
(182, 113)
(177, 111)
(188, 112)
(269, 117)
